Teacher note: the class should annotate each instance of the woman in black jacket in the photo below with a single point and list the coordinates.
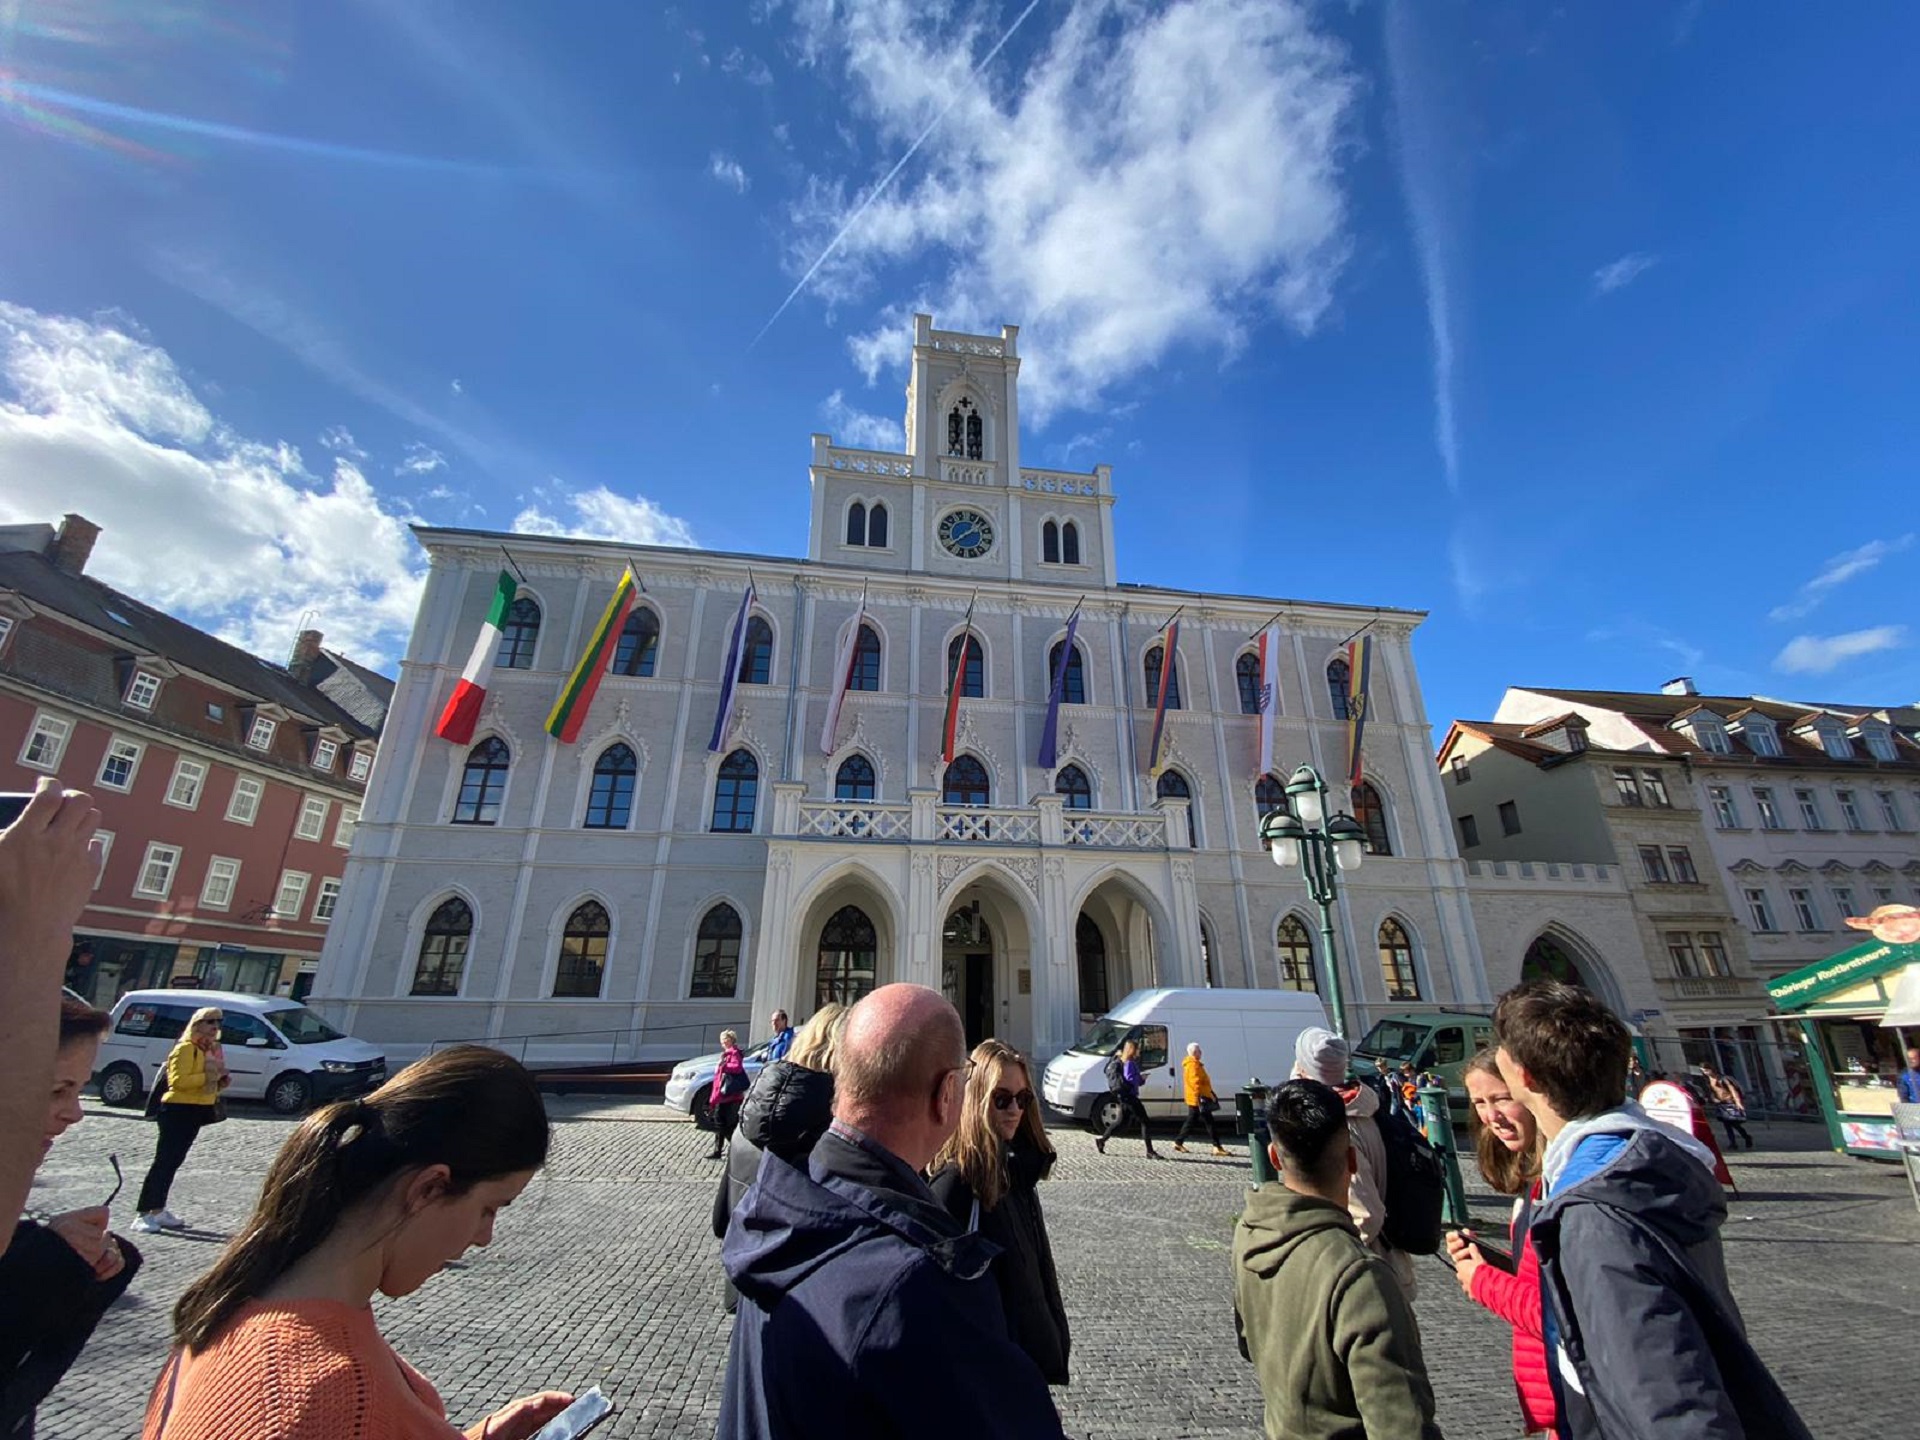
(61, 1272)
(987, 1176)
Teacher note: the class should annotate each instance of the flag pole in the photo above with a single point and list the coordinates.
(1268, 621)
(514, 565)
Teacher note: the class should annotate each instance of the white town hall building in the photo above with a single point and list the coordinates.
(626, 896)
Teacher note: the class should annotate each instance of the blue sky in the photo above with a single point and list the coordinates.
(1589, 329)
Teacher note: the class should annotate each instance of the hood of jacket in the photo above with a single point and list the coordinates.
(788, 1109)
(1278, 1222)
(1624, 1121)
(1649, 1171)
(793, 1222)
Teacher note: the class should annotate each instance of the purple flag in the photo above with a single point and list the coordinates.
(1050, 732)
(732, 677)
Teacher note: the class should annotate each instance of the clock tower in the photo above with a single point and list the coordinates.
(957, 501)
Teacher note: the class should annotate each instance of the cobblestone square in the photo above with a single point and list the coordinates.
(605, 1271)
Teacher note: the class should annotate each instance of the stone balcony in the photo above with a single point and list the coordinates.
(924, 820)
(1710, 987)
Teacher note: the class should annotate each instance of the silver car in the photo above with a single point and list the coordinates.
(690, 1086)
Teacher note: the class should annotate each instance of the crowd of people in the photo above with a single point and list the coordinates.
(883, 1242)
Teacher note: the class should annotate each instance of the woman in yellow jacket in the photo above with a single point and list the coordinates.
(1201, 1102)
(194, 1079)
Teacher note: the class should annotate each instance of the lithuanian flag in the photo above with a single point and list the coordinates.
(570, 710)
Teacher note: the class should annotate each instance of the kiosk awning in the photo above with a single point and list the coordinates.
(1904, 1008)
(1854, 981)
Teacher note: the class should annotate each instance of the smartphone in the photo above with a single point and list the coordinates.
(1496, 1257)
(11, 804)
(586, 1411)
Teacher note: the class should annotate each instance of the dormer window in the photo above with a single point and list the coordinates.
(325, 752)
(966, 435)
(1708, 733)
(260, 733)
(1760, 736)
(1879, 741)
(143, 689)
(1836, 742)
(1576, 738)
(362, 765)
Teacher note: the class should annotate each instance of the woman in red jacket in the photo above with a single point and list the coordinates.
(1507, 1144)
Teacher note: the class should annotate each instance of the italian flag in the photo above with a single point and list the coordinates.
(463, 706)
(570, 710)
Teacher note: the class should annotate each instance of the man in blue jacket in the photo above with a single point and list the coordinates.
(1643, 1336)
(865, 1310)
(782, 1040)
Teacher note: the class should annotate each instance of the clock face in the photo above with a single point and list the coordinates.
(966, 533)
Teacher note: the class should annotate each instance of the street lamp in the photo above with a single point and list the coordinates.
(1322, 848)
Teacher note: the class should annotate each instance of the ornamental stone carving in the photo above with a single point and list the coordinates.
(494, 718)
(1028, 869)
(1056, 868)
(1183, 872)
(922, 864)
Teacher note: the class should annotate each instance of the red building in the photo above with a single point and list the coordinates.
(228, 787)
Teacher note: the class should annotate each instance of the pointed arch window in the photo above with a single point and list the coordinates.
(1070, 544)
(1246, 676)
(1073, 788)
(443, 949)
(639, 645)
(1172, 785)
(976, 436)
(1156, 657)
(736, 789)
(864, 673)
(855, 779)
(973, 678)
(1293, 943)
(1090, 950)
(1270, 795)
(716, 955)
(1372, 816)
(519, 635)
(482, 783)
(756, 653)
(877, 527)
(610, 801)
(857, 523)
(1340, 689)
(583, 953)
(1050, 543)
(1074, 690)
(849, 957)
(1396, 962)
(966, 783)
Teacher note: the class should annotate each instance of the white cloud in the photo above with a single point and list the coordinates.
(95, 419)
(599, 514)
(728, 171)
(1837, 571)
(1145, 181)
(1618, 274)
(456, 387)
(339, 440)
(750, 68)
(420, 460)
(1817, 654)
(860, 428)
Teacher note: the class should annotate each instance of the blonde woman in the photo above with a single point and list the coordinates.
(193, 1080)
(730, 1084)
(987, 1177)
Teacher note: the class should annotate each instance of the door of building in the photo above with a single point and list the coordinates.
(976, 997)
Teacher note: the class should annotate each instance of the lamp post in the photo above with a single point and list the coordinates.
(1322, 847)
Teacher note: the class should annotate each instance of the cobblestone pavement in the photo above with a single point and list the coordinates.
(605, 1271)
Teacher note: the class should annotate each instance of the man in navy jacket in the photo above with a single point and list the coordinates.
(1643, 1336)
(865, 1309)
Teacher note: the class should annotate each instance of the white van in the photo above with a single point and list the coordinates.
(1242, 1034)
(277, 1050)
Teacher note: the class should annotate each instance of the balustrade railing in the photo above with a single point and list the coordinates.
(851, 820)
(1002, 827)
(1120, 832)
(869, 462)
(970, 824)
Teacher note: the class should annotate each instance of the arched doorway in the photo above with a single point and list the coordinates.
(1090, 953)
(1547, 959)
(849, 957)
(1556, 954)
(986, 956)
(966, 970)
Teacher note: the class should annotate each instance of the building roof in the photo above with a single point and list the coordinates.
(1517, 740)
(362, 693)
(144, 630)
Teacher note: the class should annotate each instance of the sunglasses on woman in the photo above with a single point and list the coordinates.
(1005, 1099)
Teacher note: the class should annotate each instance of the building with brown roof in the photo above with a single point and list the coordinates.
(229, 787)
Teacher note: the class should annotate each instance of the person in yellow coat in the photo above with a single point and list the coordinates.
(1201, 1101)
(194, 1079)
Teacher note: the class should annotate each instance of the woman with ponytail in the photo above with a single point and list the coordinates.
(277, 1341)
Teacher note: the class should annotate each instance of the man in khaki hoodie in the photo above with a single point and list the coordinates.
(1329, 1330)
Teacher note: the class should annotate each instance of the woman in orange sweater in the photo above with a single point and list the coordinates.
(277, 1341)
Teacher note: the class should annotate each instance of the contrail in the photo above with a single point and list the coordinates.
(887, 179)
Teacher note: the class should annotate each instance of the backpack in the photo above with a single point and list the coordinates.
(1416, 1185)
(1116, 1075)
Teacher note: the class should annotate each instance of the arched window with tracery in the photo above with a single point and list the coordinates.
(864, 674)
(756, 653)
(1396, 962)
(736, 790)
(854, 780)
(1270, 795)
(1050, 543)
(1156, 657)
(1372, 816)
(1340, 689)
(1246, 676)
(482, 783)
(849, 957)
(1172, 785)
(1073, 788)
(519, 635)
(973, 677)
(610, 801)
(716, 955)
(966, 783)
(857, 523)
(1073, 690)
(976, 436)
(1293, 943)
(443, 949)
(1070, 544)
(583, 953)
(639, 643)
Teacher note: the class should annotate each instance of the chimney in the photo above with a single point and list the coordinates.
(73, 545)
(1680, 685)
(306, 650)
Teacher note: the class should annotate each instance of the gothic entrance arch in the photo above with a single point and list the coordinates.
(1558, 955)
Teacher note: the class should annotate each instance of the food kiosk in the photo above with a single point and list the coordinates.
(1855, 1039)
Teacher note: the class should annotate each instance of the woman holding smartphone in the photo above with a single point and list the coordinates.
(988, 1176)
(1506, 1142)
(278, 1340)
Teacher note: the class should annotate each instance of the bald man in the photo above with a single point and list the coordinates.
(865, 1309)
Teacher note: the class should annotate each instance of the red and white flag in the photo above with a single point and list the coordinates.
(457, 721)
(842, 675)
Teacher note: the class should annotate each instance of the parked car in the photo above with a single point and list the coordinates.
(1242, 1034)
(691, 1083)
(277, 1050)
(1442, 1041)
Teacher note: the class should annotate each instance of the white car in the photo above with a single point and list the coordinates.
(692, 1082)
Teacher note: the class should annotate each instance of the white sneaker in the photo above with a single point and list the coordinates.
(170, 1221)
(149, 1224)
